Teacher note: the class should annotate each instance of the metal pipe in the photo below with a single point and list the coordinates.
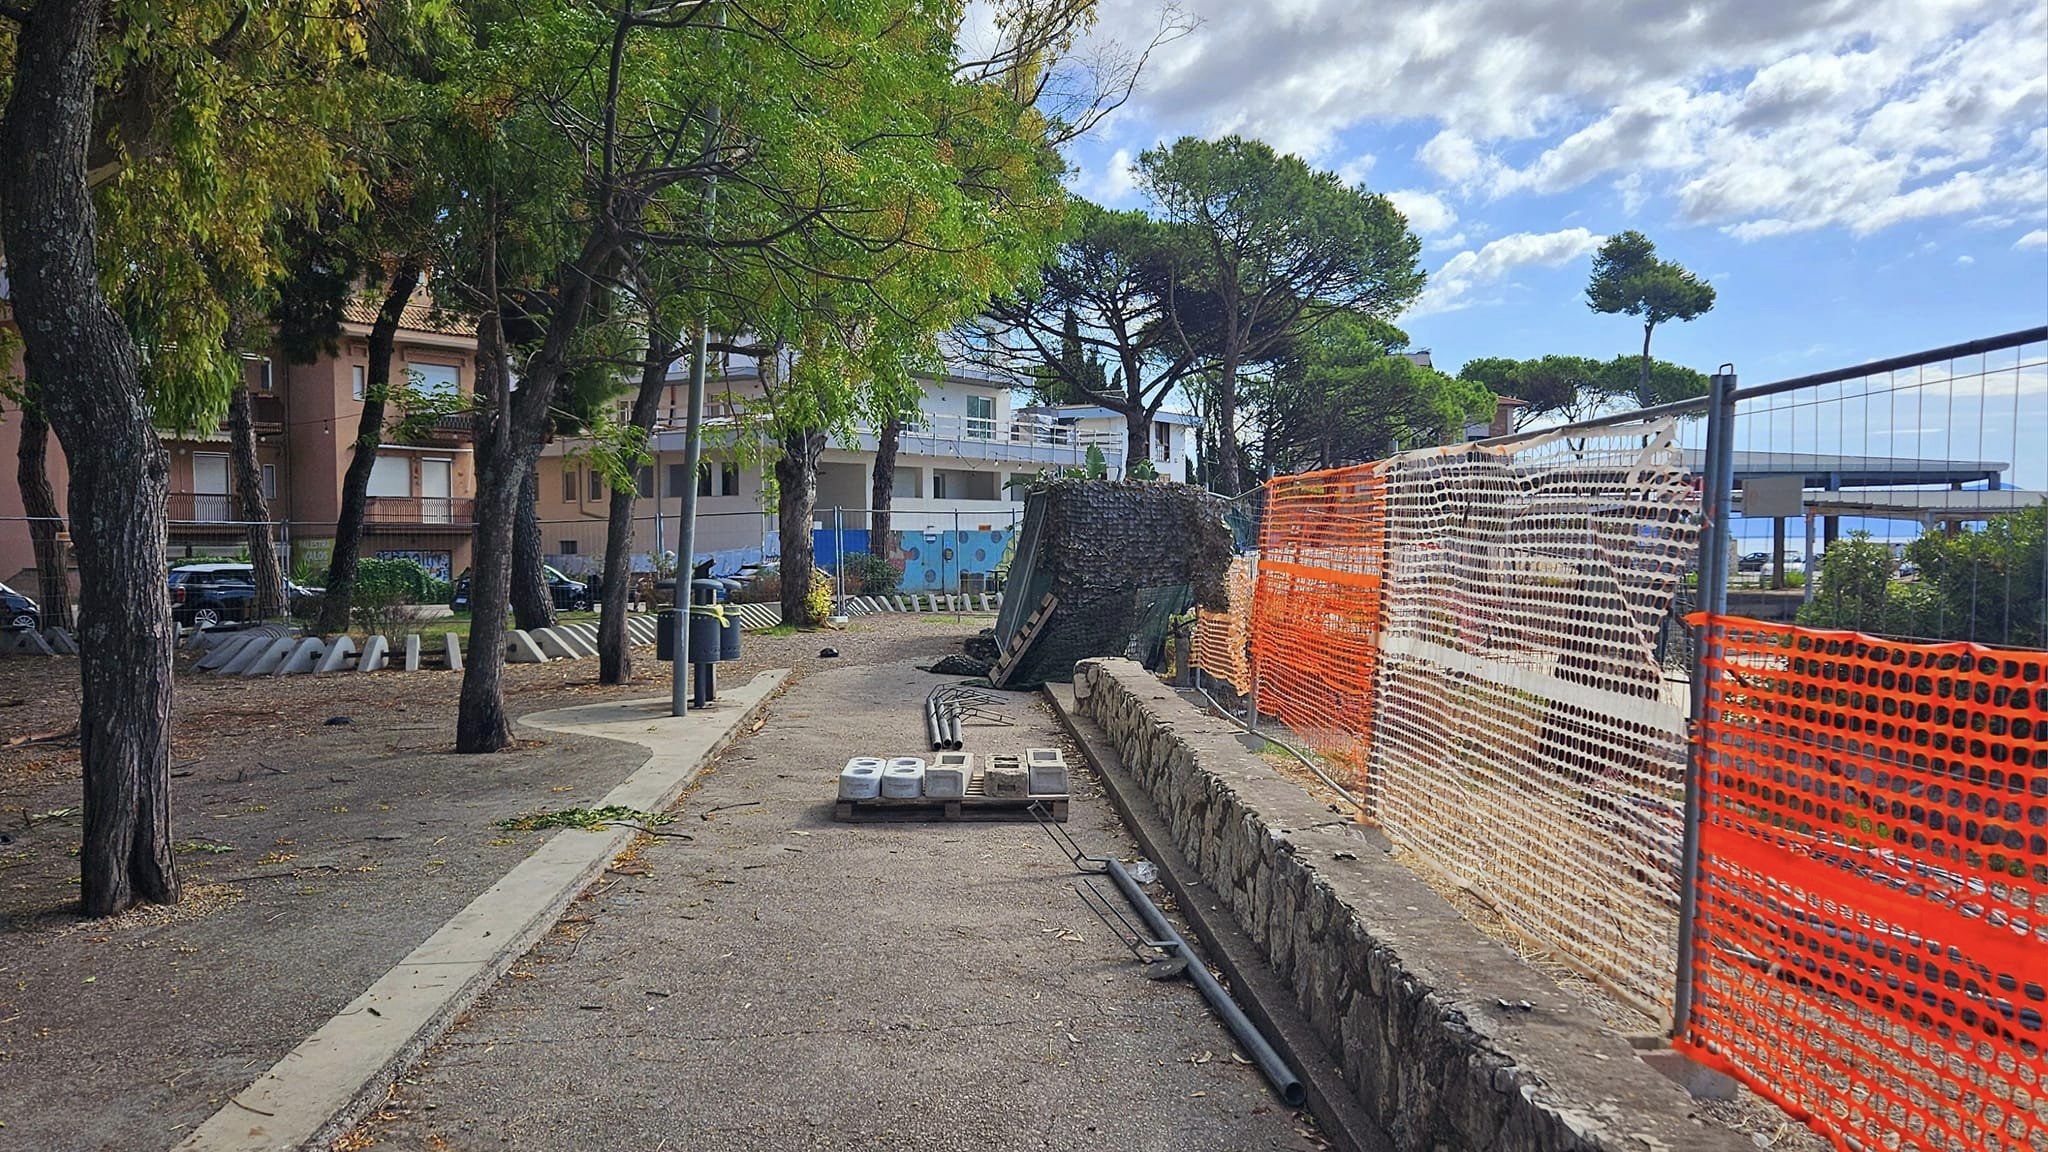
(1715, 503)
(1893, 364)
(1247, 1034)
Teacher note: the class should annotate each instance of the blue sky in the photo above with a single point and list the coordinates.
(1858, 178)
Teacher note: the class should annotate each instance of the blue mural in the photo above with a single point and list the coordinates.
(931, 561)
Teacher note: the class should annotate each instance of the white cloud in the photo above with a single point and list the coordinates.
(2038, 238)
(1354, 171)
(1451, 285)
(1426, 211)
(1117, 179)
(1759, 116)
(1966, 260)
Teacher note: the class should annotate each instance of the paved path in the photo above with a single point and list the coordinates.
(784, 981)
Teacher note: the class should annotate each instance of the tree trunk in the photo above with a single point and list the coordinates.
(796, 481)
(46, 520)
(533, 606)
(355, 483)
(883, 494)
(253, 509)
(1643, 381)
(86, 366)
(614, 655)
(480, 724)
(1137, 438)
(1229, 474)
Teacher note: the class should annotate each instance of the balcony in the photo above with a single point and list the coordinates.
(456, 512)
(201, 508)
(1026, 441)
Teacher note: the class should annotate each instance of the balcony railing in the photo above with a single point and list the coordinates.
(419, 510)
(201, 507)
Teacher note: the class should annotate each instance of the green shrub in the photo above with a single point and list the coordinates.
(397, 582)
(870, 575)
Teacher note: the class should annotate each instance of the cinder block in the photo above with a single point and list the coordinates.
(1005, 777)
(947, 775)
(1047, 771)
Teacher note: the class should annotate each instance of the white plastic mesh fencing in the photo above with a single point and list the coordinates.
(1529, 746)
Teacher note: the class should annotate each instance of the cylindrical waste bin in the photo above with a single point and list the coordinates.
(729, 638)
(665, 634)
(707, 625)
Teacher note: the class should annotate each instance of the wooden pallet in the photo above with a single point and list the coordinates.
(976, 805)
(1021, 640)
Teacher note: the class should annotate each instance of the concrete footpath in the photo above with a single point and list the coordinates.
(344, 1069)
(784, 981)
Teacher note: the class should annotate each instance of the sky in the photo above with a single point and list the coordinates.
(1857, 178)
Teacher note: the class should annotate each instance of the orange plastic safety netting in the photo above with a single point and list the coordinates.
(1871, 942)
(1221, 638)
(1316, 609)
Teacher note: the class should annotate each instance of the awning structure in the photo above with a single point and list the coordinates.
(1923, 506)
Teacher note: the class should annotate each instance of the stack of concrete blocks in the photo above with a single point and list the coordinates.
(1046, 771)
(947, 776)
(1005, 778)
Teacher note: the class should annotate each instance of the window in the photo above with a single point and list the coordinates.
(643, 481)
(435, 379)
(568, 548)
(358, 376)
(981, 418)
(568, 483)
(1163, 434)
(675, 480)
(391, 476)
(938, 484)
(729, 477)
(596, 484)
(270, 481)
(704, 479)
(263, 377)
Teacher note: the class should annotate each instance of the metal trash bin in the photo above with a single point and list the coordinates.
(729, 637)
(665, 634)
(707, 629)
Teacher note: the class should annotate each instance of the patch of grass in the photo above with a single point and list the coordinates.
(588, 819)
(778, 630)
(209, 847)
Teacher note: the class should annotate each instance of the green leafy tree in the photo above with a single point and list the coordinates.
(1630, 279)
(1345, 395)
(1267, 249)
(1574, 387)
(1985, 585)
(167, 141)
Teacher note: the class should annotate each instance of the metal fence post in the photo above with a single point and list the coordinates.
(959, 559)
(1713, 602)
(838, 557)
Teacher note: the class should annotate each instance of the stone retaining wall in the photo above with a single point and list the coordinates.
(1448, 1039)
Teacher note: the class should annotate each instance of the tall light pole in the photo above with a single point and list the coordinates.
(693, 439)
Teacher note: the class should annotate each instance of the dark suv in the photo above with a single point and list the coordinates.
(568, 595)
(207, 595)
(18, 612)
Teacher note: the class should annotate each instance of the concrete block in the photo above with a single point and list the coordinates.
(303, 657)
(554, 645)
(581, 644)
(198, 639)
(267, 657)
(61, 642)
(999, 599)
(224, 652)
(336, 657)
(412, 652)
(945, 778)
(452, 645)
(376, 650)
(520, 648)
(1005, 777)
(28, 643)
(984, 602)
(1046, 771)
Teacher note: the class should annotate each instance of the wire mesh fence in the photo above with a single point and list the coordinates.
(1870, 939)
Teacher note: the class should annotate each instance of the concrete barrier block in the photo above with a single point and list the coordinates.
(579, 643)
(336, 658)
(554, 645)
(197, 641)
(412, 652)
(452, 645)
(520, 648)
(303, 658)
(224, 652)
(376, 650)
(61, 642)
(984, 602)
(268, 657)
(897, 602)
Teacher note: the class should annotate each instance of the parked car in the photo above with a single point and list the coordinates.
(1753, 562)
(568, 595)
(18, 612)
(208, 595)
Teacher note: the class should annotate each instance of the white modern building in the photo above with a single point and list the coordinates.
(960, 475)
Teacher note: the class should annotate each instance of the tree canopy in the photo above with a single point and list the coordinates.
(1628, 278)
(1345, 394)
(1575, 387)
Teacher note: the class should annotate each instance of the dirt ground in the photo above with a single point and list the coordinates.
(313, 855)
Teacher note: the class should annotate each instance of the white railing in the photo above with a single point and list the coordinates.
(948, 426)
